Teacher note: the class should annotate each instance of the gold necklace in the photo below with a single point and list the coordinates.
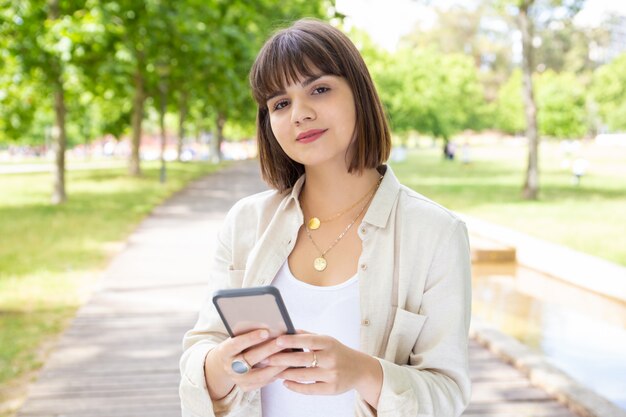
(320, 262)
(315, 223)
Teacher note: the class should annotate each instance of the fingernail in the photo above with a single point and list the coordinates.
(264, 335)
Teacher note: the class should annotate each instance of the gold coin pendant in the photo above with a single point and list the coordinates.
(319, 264)
(314, 223)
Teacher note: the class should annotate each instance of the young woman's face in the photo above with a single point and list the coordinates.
(314, 119)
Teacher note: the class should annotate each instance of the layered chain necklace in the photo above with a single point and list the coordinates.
(315, 223)
(320, 263)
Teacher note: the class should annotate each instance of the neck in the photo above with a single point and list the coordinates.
(326, 192)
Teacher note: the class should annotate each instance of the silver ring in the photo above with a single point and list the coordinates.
(240, 366)
(314, 361)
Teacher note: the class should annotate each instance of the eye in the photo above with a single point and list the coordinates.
(280, 104)
(320, 90)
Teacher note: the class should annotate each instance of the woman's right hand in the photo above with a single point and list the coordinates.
(254, 347)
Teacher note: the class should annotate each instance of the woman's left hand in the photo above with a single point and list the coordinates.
(338, 369)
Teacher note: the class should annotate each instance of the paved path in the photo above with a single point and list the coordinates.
(120, 355)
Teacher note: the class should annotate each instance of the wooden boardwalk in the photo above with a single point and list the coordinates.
(119, 358)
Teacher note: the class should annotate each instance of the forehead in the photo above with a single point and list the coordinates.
(287, 61)
(288, 75)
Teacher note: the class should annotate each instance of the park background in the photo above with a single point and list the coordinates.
(108, 108)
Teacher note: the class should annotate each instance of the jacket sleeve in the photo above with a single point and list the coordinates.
(436, 381)
(206, 335)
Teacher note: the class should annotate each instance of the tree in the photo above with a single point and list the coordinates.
(102, 61)
(530, 15)
(565, 46)
(609, 92)
(18, 99)
(130, 29)
(561, 103)
(43, 39)
(474, 31)
(509, 113)
(431, 93)
(531, 184)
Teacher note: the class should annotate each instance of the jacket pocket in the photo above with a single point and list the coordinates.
(403, 336)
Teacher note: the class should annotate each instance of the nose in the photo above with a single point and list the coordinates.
(301, 112)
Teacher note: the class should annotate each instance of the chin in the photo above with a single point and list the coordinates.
(324, 162)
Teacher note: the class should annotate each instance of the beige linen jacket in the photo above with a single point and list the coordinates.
(415, 255)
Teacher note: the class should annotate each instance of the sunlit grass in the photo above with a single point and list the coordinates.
(589, 217)
(51, 255)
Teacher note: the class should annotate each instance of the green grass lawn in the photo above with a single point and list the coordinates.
(589, 217)
(51, 256)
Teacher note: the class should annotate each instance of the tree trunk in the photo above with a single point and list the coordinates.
(531, 185)
(162, 110)
(59, 140)
(182, 115)
(59, 143)
(218, 138)
(134, 168)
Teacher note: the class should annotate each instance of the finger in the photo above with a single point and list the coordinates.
(304, 374)
(235, 345)
(261, 376)
(291, 359)
(303, 341)
(318, 388)
(260, 352)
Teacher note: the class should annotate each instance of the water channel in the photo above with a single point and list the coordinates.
(578, 331)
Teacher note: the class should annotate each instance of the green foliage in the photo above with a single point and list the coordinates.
(200, 51)
(509, 113)
(43, 53)
(561, 103)
(431, 93)
(473, 30)
(19, 99)
(609, 91)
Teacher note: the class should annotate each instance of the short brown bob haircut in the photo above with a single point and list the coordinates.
(296, 52)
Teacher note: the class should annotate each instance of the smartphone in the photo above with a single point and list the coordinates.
(246, 309)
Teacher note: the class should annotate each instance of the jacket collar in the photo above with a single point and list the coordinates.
(379, 210)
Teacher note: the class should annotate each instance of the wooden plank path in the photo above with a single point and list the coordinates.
(119, 357)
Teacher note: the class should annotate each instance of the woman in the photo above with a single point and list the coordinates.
(376, 275)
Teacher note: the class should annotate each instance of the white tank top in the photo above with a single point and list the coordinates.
(334, 311)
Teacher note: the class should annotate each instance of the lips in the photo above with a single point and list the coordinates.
(310, 135)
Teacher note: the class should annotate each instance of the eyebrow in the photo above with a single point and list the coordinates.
(304, 84)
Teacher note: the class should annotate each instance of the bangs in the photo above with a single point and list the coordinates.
(287, 58)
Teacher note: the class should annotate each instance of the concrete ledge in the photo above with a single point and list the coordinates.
(489, 251)
(577, 268)
(541, 373)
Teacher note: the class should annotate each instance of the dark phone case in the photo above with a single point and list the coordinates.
(254, 297)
